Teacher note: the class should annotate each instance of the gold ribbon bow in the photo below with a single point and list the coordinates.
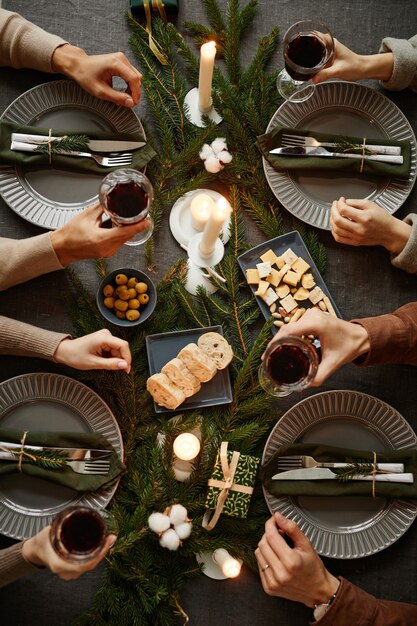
(225, 485)
(153, 45)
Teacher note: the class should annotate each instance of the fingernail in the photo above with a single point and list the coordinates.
(129, 101)
(122, 365)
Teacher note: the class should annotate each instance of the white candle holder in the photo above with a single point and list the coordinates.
(212, 568)
(193, 113)
(197, 262)
(182, 469)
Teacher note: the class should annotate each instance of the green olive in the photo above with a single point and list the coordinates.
(109, 302)
(121, 305)
(121, 279)
(124, 295)
(121, 315)
(132, 282)
(141, 287)
(132, 293)
(134, 303)
(143, 298)
(132, 315)
(108, 290)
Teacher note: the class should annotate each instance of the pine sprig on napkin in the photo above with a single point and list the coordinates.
(68, 143)
(46, 459)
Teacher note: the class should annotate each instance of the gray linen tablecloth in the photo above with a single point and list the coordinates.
(99, 26)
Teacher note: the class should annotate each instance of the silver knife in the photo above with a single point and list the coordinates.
(28, 143)
(78, 454)
(299, 151)
(316, 473)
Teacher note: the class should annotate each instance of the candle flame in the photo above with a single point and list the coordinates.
(231, 568)
(211, 44)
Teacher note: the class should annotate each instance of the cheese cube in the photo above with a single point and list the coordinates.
(301, 294)
(307, 281)
(300, 266)
(288, 303)
(316, 295)
(264, 269)
(270, 296)
(252, 276)
(280, 262)
(329, 306)
(282, 291)
(291, 278)
(274, 278)
(262, 288)
(269, 256)
(289, 256)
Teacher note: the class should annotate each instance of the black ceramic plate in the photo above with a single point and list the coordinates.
(163, 347)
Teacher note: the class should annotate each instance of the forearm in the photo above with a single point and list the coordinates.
(393, 337)
(13, 564)
(23, 44)
(352, 605)
(66, 59)
(22, 339)
(377, 66)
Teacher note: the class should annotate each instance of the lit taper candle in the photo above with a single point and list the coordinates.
(230, 567)
(201, 208)
(213, 227)
(186, 446)
(207, 56)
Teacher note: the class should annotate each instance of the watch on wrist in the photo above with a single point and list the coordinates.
(321, 609)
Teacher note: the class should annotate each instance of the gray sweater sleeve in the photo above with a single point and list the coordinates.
(407, 259)
(404, 73)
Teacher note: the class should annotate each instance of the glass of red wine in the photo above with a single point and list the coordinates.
(126, 196)
(79, 533)
(308, 47)
(290, 364)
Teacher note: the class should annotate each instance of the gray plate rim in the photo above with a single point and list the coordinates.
(395, 516)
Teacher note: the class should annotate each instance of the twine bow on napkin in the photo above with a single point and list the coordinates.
(210, 518)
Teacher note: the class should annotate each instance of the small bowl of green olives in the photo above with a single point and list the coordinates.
(126, 297)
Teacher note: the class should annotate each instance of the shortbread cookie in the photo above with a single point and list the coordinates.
(164, 392)
(181, 376)
(217, 348)
(198, 362)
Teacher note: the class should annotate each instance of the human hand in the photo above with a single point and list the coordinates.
(92, 351)
(39, 551)
(83, 238)
(94, 73)
(348, 65)
(340, 341)
(294, 573)
(364, 223)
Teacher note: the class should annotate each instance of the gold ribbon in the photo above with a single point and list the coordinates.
(21, 453)
(153, 45)
(226, 485)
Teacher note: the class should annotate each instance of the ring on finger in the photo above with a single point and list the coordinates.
(265, 567)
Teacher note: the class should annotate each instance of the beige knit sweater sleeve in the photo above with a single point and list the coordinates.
(13, 565)
(22, 44)
(21, 260)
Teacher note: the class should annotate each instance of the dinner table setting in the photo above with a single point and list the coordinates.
(233, 165)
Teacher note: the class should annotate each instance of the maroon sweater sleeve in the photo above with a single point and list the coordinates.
(353, 606)
(393, 337)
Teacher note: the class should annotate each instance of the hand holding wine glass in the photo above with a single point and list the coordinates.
(126, 196)
(308, 48)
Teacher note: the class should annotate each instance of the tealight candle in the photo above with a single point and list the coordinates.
(230, 567)
(201, 207)
(213, 227)
(186, 446)
(207, 55)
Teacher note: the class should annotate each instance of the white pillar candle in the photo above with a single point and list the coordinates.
(186, 446)
(201, 208)
(230, 567)
(213, 227)
(207, 55)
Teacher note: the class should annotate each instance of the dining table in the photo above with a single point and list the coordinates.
(361, 280)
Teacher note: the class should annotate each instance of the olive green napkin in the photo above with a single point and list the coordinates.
(272, 140)
(75, 164)
(65, 476)
(334, 487)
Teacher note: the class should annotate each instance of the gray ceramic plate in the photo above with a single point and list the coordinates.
(50, 402)
(344, 109)
(291, 240)
(350, 527)
(46, 197)
(163, 347)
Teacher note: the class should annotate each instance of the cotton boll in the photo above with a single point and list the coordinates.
(224, 156)
(170, 540)
(178, 514)
(183, 530)
(158, 522)
(218, 145)
(206, 151)
(213, 165)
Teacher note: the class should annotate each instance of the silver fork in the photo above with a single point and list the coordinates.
(297, 461)
(90, 467)
(311, 142)
(119, 159)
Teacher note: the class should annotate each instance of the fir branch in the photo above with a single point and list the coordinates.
(355, 468)
(68, 143)
(46, 459)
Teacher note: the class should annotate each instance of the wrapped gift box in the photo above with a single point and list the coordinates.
(137, 8)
